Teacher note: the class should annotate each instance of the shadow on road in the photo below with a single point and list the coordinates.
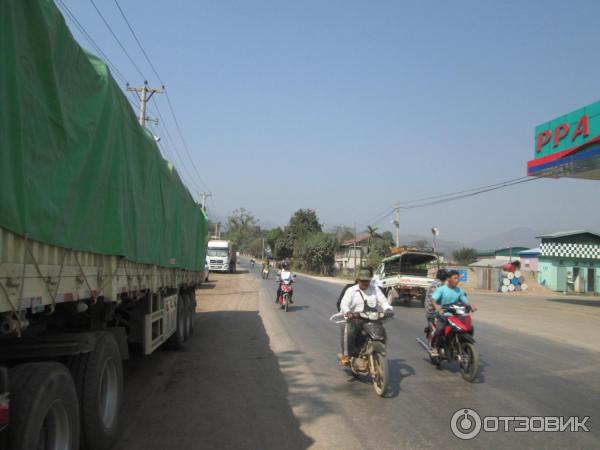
(311, 396)
(293, 308)
(454, 368)
(223, 390)
(575, 301)
(399, 370)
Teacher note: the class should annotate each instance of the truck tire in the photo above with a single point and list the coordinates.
(391, 296)
(98, 379)
(192, 310)
(185, 297)
(177, 339)
(44, 411)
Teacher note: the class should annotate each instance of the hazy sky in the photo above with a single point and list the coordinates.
(347, 107)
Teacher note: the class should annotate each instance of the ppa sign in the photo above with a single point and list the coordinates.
(562, 131)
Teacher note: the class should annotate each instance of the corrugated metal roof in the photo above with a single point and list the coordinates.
(489, 262)
(531, 251)
(567, 233)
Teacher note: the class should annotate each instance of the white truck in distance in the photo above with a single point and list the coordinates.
(405, 275)
(221, 256)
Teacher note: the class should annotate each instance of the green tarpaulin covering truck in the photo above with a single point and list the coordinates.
(101, 244)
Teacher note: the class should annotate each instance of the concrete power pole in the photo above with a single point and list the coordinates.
(355, 250)
(144, 93)
(396, 222)
(205, 195)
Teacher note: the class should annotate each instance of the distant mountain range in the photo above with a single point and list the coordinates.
(517, 237)
(520, 236)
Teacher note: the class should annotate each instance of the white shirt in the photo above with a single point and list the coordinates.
(353, 301)
(285, 276)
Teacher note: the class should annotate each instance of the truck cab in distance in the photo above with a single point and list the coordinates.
(221, 256)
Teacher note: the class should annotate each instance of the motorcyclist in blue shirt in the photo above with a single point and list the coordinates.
(442, 297)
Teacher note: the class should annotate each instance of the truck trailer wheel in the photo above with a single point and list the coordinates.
(177, 339)
(185, 297)
(44, 411)
(192, 298)
(98, 378)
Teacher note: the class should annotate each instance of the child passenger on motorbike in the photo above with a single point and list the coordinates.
(444, 296)
(363, 296)
(440, 280)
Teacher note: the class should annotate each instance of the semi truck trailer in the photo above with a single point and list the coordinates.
(101, 244)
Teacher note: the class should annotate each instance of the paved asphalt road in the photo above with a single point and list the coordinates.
(255, 377)
(521, 376)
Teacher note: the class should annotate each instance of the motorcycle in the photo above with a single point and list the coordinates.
(457, 342)
(265, 273)
(286, 294)
(372, 356)
(252, 263)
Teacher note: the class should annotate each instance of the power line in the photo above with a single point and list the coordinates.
(172, 110)
(91, 41)
(138, 42)
(178, 128)
(117, 39)
(183, 166)
(403, 203)
(443, 198)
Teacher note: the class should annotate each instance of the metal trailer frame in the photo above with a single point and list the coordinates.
(36, 277)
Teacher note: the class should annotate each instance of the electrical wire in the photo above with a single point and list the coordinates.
(138, 42)
(170, 104)
(91, 41)
(162, 145)
(402, 203)
(444, 198)
(117, 39)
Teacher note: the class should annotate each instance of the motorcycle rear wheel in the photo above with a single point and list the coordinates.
(469, 369)
(381, 374)
(286, 302)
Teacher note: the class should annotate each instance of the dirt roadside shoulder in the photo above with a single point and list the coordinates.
(225, 389)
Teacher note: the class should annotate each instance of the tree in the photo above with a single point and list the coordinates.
(280, 242)
(465, 255)
(343, 233)
(317, 252)
(421, 243)
(380, 249)
(372, 232)
(242, 228)
(388, 236)
(303, 223)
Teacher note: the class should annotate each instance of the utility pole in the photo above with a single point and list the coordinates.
(263, 249)
(216, 231)
(397, 223)
(355, 237)
(204, 196)
(144, 93)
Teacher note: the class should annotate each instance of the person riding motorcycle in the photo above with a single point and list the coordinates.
(362, 297)
(284, 276)
(444, 296)
(440, 279)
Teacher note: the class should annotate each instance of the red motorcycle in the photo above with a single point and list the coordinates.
(457, 342)
(286, 294)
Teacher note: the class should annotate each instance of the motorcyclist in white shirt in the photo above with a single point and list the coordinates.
(284, 276)
(362, 297)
